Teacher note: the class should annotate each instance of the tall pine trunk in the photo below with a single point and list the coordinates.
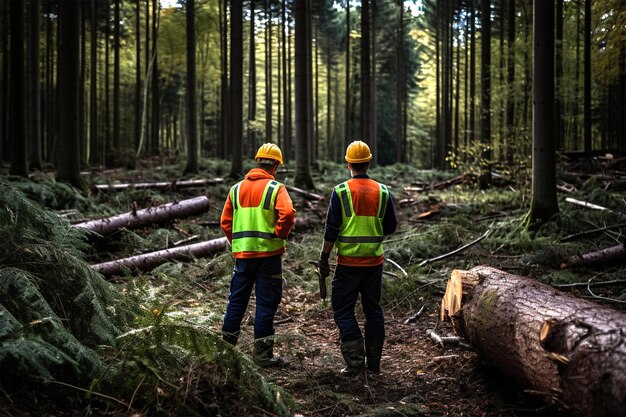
(587, 81)
(543, 202)
(510, 100)
(365, 73)
(485, 95)
(192, 128)
(303, 174)
(34, 92)
(252, 141)
(17, 121)
(400, 83)
(68, 169)
(137, 124)
(94, 154)
(236, 85)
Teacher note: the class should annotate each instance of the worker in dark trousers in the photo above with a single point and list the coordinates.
(257, 218)
(360, 214)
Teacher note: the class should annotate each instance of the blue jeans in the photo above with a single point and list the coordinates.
(348, 283)
(265, 274)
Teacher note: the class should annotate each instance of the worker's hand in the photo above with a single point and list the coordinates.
(324, 266)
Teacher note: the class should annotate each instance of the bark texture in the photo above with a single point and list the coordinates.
(610, 254)
(152, 215)
(148, 261)
(568, 348)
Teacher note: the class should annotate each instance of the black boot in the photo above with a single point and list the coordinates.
(230, 337)
(264, 353)
(373, 352)
(354, 356)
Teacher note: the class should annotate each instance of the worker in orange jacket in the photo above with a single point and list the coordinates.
(360, 214)
(257, 218)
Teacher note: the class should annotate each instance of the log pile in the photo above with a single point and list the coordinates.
(567, 348)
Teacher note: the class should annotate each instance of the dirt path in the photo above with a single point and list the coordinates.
(419, 377)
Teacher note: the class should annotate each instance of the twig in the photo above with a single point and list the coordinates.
(438, 358)
(397, 266)
(586, 283)
(415, 316)
(92, 392)
(442, 340)
(186, 240)
(591, 232)
(613, 300)
(454, 252)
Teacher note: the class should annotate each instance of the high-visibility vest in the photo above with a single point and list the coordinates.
(360, 236)
(253, 227)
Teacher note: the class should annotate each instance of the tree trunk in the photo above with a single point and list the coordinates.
(156, 94)
(510, 100)
(17, 122)
(544, 202)
(116, 79)
(347, 137)
(366, 71)
(146, 217)
(485, 95)
(192, 128)
(565, 347)
(68, 153)
(587, 80)
(400, 82)
(236, 85)
(558, 102)
(150, 260)
(34, 93)
(252, 141)
(268, 73)
(472, 76)
(303, 172)
(166, 186)
(4, 87)
(94, 154)
(137, 123)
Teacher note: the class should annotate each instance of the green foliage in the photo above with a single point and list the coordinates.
(194, 369)
(49, 193)
(56, 306)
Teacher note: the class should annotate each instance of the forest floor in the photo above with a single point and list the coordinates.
(419, 376)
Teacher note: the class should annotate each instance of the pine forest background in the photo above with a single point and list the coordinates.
(434, 84)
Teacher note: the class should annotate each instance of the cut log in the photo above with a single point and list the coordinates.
(152, 215)
(610, 254)
(568, 348)
(148, 261)
(160, 185)
(307, 195)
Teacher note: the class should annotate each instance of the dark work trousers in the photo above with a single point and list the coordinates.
(265, 274)
(348, 283)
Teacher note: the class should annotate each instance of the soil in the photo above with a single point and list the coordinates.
(418, 376)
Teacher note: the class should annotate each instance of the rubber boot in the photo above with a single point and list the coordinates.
(264, 353)
(354, 356)
(230, 338)
(373, 352)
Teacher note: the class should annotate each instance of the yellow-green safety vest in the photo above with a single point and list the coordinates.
(360, 236)
(253, 227)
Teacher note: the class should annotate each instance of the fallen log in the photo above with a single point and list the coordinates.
(152, 215)
(160, 185)
(610, 254)
(306, 194)
(568, 348)
(151, 260)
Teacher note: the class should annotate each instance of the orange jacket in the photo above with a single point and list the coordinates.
(250, 193)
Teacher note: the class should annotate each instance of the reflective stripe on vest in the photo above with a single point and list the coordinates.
(253, 227)
(360, 236)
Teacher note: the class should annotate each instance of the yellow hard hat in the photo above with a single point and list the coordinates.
(270, 151)
(357, 152)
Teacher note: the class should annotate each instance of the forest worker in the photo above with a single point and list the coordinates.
(257, 218)
(360, 213)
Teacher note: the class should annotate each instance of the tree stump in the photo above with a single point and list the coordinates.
(568, 348)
